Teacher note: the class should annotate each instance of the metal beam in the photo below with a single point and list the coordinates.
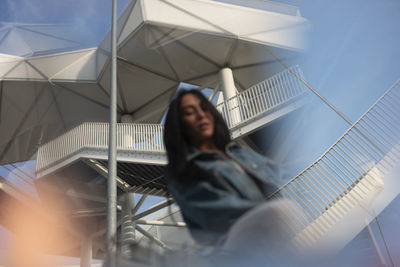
(139, 204)
(101, 211)
(140, 215)
(153, 209)
(127, 225)
(161, 223)
(103, 171)
(216, 89)
(152, 238)
(86, 252)
(112, 148)
(376, 246)
(73, 193)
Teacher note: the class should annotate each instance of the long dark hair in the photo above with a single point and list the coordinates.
(174, 139)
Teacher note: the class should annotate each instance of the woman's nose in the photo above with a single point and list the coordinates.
(201, 113)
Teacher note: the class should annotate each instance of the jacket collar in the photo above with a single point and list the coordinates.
(194, 152)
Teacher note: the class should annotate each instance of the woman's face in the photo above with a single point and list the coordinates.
(197, 121)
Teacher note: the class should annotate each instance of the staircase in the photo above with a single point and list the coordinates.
(337, 193)
(140, 148)
(345, 189)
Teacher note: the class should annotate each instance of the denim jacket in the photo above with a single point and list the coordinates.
(220, 188)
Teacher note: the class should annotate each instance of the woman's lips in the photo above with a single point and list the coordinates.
(204, 125)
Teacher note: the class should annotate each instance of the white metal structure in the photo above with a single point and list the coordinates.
(336, 193)
(164, 42)
(143, 143)
(160, 44)
(263, 102)
(21, 39)
(347, 187)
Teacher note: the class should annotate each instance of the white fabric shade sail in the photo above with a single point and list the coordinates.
(28, 39)
(161, 43)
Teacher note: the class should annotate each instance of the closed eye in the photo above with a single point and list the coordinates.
(188, 111)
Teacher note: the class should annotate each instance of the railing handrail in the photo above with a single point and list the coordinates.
(250, 104)
(295, 68)
(262, 97)
(340, 138)
(368, 149)
(149, 140)
(397, 83)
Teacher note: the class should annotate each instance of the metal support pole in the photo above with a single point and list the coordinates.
(376, 246)
(153, 209)
(310, 87)
(139, 204)
(337, 111)
(227, 84)
(161, 223)
(112, 149)
(151, 237)
(86, 252)
(210, 98)
(127, 225)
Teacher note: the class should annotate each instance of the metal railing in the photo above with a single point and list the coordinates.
(365, 152)
(262, 98)
(250, 104)
(137, 137)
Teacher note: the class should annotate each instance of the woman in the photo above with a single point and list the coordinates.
(213, 180)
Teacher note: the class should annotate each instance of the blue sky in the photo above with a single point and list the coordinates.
(352, 57)
(351, 60)
(90, 18)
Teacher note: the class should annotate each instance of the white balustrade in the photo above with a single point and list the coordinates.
(137, 137)
(251, 103)
(349, 171)
(341, 178)
(262, 98)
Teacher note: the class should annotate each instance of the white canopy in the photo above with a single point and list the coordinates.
(161, 43)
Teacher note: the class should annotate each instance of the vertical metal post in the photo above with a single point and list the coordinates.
(86, 252)
(127, 225)
(229, 91)
(376, 246)
(227, 83)
(112, 149)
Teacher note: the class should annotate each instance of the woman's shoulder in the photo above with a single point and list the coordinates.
(234, 148)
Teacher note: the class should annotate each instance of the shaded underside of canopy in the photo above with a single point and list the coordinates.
(161, 43)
